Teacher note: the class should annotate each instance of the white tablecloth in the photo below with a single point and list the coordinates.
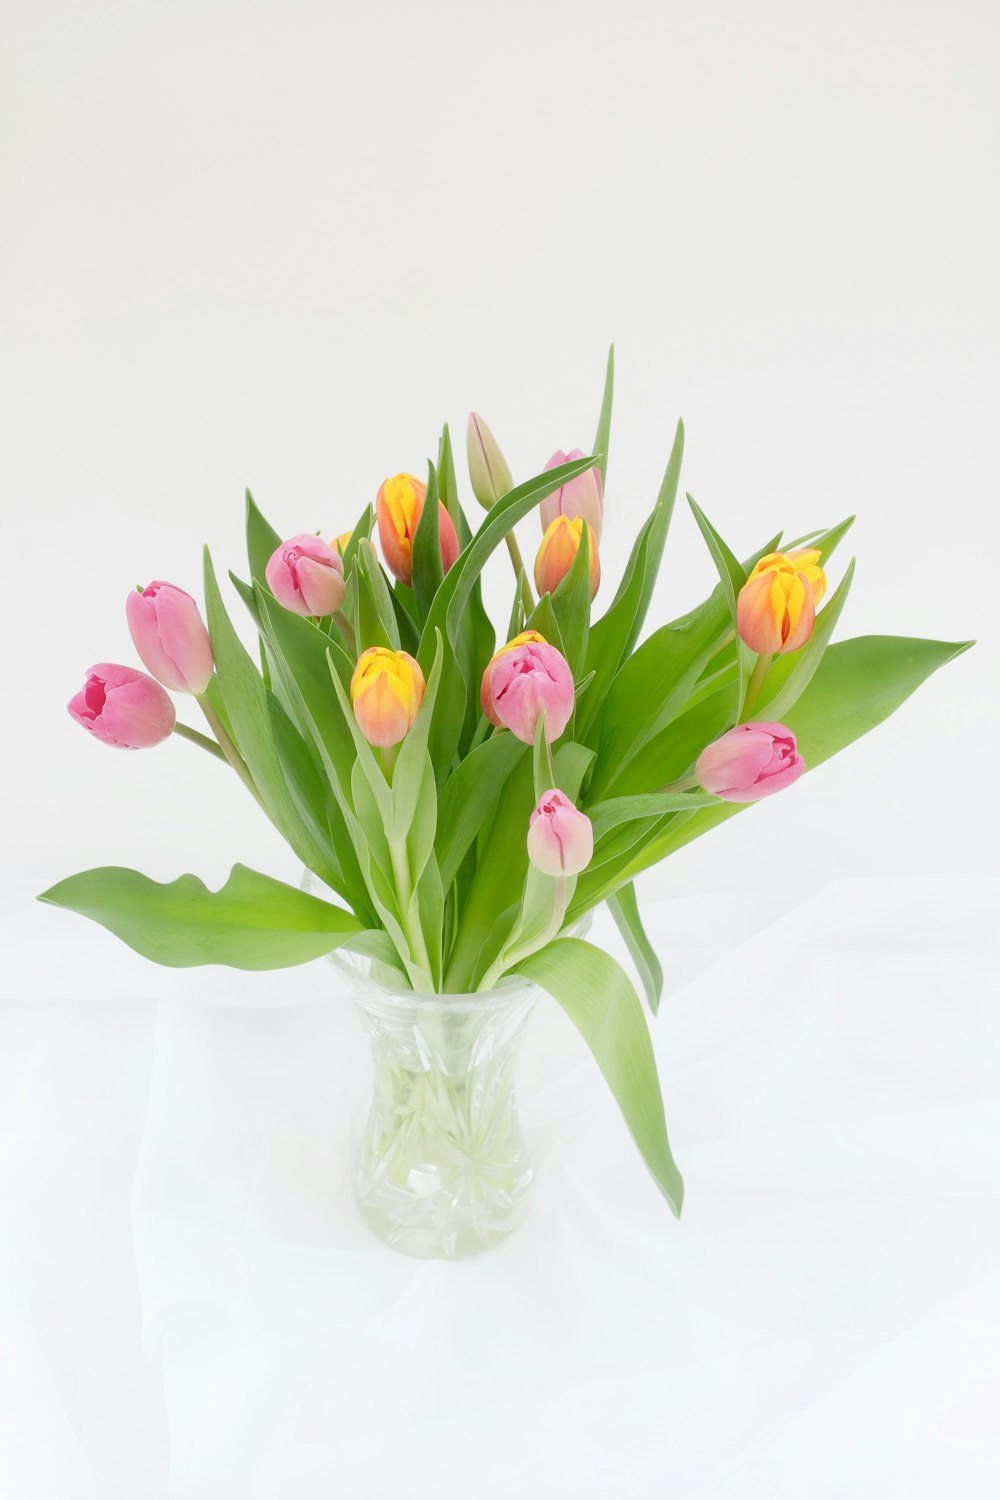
(190, 1308)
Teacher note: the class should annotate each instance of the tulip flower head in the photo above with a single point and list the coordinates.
(524, 681)
(560, 837)
(339, 543)
(560, 545)
(397, 507)
(488, 471)
(582, 496)
(122, 707)
(307, 576)
(525, 638)
(750, 762)
(386, 691)
(170, 637)
(776, 609)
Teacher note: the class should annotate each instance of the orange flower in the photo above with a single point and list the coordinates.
(397, 506)
(560, 545)
(776, 609)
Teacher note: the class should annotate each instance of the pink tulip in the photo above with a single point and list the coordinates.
(582, 496)
(170, 637)
(560, 837)
(307, 576)
(750, 762)
(122, 707)
(523, 682)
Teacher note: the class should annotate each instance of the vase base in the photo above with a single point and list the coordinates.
(430, 1230)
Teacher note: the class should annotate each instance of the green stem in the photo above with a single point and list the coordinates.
(511, 956)
(230, 751)
(761, 668)
(197, 738)
(404, 892)
(527, 597)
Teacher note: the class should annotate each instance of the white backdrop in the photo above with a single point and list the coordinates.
(277, 245)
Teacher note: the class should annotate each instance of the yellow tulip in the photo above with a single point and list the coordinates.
(560, 545)
(386, 691)
(776, 609)
(339, 543)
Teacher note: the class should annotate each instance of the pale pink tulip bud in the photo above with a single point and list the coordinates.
(170, 637)
(750, 762)
(526, 681)
(307, 576)
(582, 496)
(560, 837)
(123, 707)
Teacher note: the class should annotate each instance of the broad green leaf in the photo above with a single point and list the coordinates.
(376, 622)
(245, 698)
(730, 569)
(603, 438)
(408, 776)
(467, 796)
(597, 995)
(253, 922)
(608, 815)
(613, 636)
(448, 488)
(361, 532)
(625, 909)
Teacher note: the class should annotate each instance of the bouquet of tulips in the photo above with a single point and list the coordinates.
(464, 793)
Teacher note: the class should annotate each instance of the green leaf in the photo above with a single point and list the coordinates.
(808, 657)
(428, 570)
(613, 636)
(448, 488)
(541, 760)
(603, 437)
(624, 907)
(253, 922)
(597, 995)
(262, 539)
(730, 570)
(467, 796)
(360, 532)
(408, 777)
(247, 711)
(376, 622)
(571, 606)
(616, 810)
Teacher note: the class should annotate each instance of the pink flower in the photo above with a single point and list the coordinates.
(122, 707)
(524, 681)
(582, 496)
(560, 837)
(750, 762)
(307, 576)
(170, 637)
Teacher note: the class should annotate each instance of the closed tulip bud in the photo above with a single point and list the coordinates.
(560, 545)
(397, 506)
(386, 690)
(525, 638)
(582, 496)
(526, 681)
(750, 762)
(776, 609)
(122, 707)
(339, 543)
(560, 837)
(307, 576)
(488, 471)
(170, 637)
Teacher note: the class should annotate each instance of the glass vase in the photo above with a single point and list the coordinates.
(442, 1169)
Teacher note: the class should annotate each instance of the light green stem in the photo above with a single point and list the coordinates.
(527, 597)
(346, 629)
(404, 892)
(199, 739)
(511, 956)
(761, 667)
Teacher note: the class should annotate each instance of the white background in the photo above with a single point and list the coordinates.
(277, 245)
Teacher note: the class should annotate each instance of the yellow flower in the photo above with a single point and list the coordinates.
(386, 691)
(560, 545)
(776, 609)
(339, 543)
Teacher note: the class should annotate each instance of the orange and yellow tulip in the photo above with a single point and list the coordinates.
(397, 506)
(386, 692)
(776, 608)
(560, 545)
